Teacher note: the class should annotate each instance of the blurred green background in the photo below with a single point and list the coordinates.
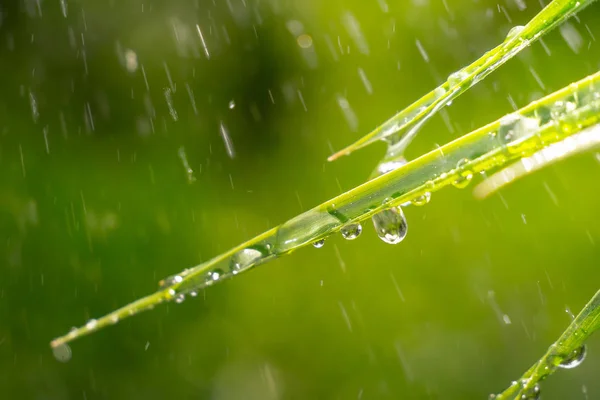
(100, 100)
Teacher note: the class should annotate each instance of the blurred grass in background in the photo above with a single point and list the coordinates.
(96, 205)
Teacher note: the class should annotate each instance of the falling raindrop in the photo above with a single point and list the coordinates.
(352, 231)
(64, 7)
(390, 225)
(319, 243)
(62, 352)
(574, 359)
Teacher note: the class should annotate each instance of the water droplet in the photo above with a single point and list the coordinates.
(319, 243)
(390, 225)
(352, 231)
(514, 32)
(193, 293)
(574, 359)
(169, 281)
(91, 324)
(464, 174)
(180, 298)
(244, 259)
(62, 352)
(514, 128)
(232, 104)
(532, 394)
(422, 200)
(213, 276)
(457, 77)
(114, 319)
(439, 92)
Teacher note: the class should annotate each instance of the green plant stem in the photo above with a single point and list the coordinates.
(414, 116)
(482, 150)
(572, 339)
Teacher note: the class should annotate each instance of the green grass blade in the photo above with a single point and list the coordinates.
(402, 127)
(566, 352)
(536, 126)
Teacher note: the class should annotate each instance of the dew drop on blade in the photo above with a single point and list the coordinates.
(351, 232)
(422, 200)
(515, 31)
(244, 259)
(319, 243)
(464, 174)
(574, 359)
(62, 352)
(390, 225)
(531, 394)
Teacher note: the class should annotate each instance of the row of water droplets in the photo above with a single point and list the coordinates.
(552, 363)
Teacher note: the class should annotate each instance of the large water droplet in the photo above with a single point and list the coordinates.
(574, 359)
(391, 225)
(319, 243)
(91, 324)
(515, 31)
(421, 200)
(352, 231)
(62, 352)
(457, 77)
(244, 259)
(514, 128)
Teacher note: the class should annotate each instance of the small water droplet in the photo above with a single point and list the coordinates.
(180, 298)
(351, 232)
(214, 275)
(319, 243)
(457, 77)
(193, 293)
(439, 92)
(390, 225)
(62, 352)
(421, 200)
(532, 394)
(91, 324)
(169, 281)
(514, 128)
(464, 174)
(232, 104)
(574, 359)
(244, 259)
(514, 32)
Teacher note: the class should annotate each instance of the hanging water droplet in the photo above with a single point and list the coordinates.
(244, 259)
(457, 77)
(351, 232)
(91, 324)
(421, 200)
(514, 32)
(180, 298)
(319, 243)
(574, 359)
(232, 104)
(532, 394)
(464, 174)
(62, 352)
(193, 293)
(390, 225)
